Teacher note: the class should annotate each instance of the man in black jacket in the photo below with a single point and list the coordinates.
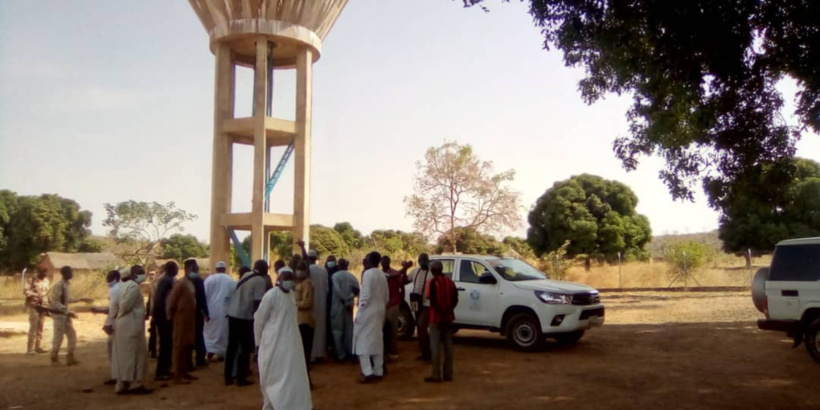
(202, 315)
(165, 328)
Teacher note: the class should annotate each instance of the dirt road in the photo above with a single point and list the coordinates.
(657, 350)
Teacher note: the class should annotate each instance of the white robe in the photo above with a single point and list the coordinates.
(130, 352)
(219, 288)
(319, 277)
(369, 321)
(282, 370)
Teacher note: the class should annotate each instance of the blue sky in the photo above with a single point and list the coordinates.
(105, 101)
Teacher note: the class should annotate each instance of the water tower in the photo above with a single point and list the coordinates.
(263, 35)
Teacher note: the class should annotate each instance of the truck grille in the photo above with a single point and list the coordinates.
(592, 312)
(586, 299)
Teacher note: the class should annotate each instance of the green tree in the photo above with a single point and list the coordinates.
(181, 247)
(471, 241)
(397, 244)
(702, 75)
(352, 237)
(768, 204)
(596, 215)
(520, 246)
(556, 263)
(455, 189)
(327, 241)
(687, 258)
(140, 226)
(32, 225)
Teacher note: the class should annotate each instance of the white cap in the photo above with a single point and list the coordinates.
(125, 273)
(312, 254)
(285, 269)
(220, 264)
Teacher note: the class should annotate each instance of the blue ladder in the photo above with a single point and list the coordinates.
(277, 173)
(240, 250)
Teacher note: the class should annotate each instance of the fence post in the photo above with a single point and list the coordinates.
(685, 272)
(620, 280)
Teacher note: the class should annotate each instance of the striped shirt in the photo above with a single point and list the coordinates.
(443, 300)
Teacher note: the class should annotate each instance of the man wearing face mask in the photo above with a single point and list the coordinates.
(181, 310)
(202, 314)
(112, 279)
(245, 300)
(129, 354)
(303, 297)
(282, 371)
(63, 317)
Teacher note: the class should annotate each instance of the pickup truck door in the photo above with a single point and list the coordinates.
(477, 302)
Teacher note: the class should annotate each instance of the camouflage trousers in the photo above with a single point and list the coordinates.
(36, 322)
(63, 326)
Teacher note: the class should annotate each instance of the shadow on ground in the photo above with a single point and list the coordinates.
(697, 365)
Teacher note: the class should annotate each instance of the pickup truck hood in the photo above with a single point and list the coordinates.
(550, 285)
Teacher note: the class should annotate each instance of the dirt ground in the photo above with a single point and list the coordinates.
(657, 350)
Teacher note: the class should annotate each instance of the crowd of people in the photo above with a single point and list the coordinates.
(286, 327)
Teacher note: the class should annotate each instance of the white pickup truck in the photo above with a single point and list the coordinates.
(788, 293)
(511, 297)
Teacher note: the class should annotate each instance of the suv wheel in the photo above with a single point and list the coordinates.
(569, 339)
(406, 323)
(524, 332)
(812, 340)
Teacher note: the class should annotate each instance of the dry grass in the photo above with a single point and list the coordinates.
(91, 285)
(724, 271)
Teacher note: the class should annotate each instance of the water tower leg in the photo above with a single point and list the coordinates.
(301, 194)
(260, 150)
(221, 173)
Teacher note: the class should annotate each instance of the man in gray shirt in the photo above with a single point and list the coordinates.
(244, 302)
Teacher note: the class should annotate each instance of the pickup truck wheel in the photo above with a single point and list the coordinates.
(524, 332)
(812, 340)
(406, 323)
(569, 339)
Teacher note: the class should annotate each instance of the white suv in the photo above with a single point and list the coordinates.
(788, 293)
(511, 297)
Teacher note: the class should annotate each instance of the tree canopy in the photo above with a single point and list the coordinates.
(138, 227)
(596, 215)
(471, 241)
(702, 75)
(181, 247)
(455, 189)
(31, 225)
(769, 204)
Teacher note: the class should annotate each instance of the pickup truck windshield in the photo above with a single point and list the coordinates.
(515, 270)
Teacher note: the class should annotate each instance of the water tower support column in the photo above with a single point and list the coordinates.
(222, 171)
(304, 106)
(260, 150)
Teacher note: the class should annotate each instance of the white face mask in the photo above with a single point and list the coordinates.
(288, 285)
(111, 284)
(140, 278)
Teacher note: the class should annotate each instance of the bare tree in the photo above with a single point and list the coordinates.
(139, 227)
(455, 189)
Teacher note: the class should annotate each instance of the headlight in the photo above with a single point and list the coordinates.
(553, 298)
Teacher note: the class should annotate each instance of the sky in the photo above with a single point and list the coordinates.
(104, 101)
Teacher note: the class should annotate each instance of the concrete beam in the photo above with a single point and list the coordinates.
(260, 150)
(279, 132)
(270, 221)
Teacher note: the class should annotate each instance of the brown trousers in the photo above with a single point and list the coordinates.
(423, 322)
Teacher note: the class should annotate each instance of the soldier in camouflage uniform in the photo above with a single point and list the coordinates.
(36, 293)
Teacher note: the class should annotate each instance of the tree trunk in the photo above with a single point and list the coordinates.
(587, 264)
(748, 260)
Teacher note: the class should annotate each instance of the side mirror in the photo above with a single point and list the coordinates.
(487, 278)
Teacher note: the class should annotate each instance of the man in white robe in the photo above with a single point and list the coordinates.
(283, 373)
(130, 352)
(319, 277)
(219, 288)
(368, 341)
